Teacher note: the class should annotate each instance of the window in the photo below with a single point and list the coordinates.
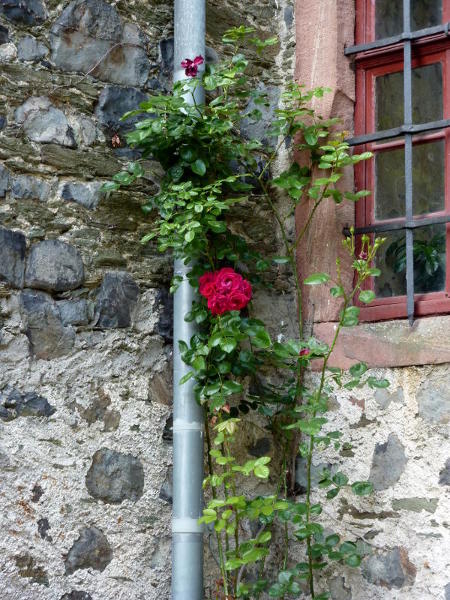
(402, 115)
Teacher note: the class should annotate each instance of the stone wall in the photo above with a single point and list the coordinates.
(85, 321)
(85, 315)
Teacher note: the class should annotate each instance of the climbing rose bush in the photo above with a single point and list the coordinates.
(225, 290)
(210, 168)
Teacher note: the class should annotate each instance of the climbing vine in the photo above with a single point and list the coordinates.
(210, 169)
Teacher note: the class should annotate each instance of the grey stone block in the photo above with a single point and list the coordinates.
(34, 103)
(116, 300)
(84, 129)
(86, 194)
(43, 529)
(391, 569)
(27, 567)
(29, 188)
(114, 477)
(116, 101)
(433, 398)
(49, 127)
(388, 463)
(384, 397)
(29, 12)
(95, 18)
(14, 403)
(12, 257)
(444, 475)
(166, 491)
(74, 312)
(338, 589)
(47, 336)
(90, 551)
(95, 28)
(165, 318)
(76, 595)
(4, 35)
(252, 129)
(54, 265)
(8, 53)
(4, 180)
(30, 49)
(415, 504)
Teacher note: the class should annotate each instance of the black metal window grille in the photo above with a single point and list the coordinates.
(408, 130)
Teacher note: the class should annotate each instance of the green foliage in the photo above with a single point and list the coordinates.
(209, 169)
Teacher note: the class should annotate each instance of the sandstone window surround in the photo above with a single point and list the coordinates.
(324, 31)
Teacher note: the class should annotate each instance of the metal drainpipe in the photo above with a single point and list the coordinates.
(188, 423)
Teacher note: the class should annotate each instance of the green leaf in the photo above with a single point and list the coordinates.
(261, 339)
(110, 186)
(227, 344)
(348, 547)
(189, 235)
(358, 369)
(373, 382)
(231, 387)
(280, 260)
(186, 377)
(337, 292)
(277, 590)
(367, 296)
(199, 363)
(332, 540)
(233, 563)
(311, 426)
(266, 536)
(350, 317)
(333, 493)
(294, 588)
(362, 488)
(316, 279)
(209, 515)
(340, 479)
(285, 577)
(310, 138)
(374, 272)
(353, 560)
(199, 167)
(149, 236)
(261, 471)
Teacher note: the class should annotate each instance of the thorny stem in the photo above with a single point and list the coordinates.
(213, 492)
(347, 300)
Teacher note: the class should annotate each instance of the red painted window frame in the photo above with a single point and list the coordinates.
(369, 65)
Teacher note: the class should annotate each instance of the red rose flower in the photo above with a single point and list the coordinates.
(225, 290)
(206, 284)
(304, 352)
(191, 66)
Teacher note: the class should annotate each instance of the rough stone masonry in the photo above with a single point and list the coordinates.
(85, 331)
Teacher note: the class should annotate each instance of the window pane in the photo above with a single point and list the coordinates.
(426, 97)
(428, 181)
(429, 262)
(389, 16)
(425, 13)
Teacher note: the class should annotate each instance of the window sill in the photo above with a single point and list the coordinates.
(389, 343)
